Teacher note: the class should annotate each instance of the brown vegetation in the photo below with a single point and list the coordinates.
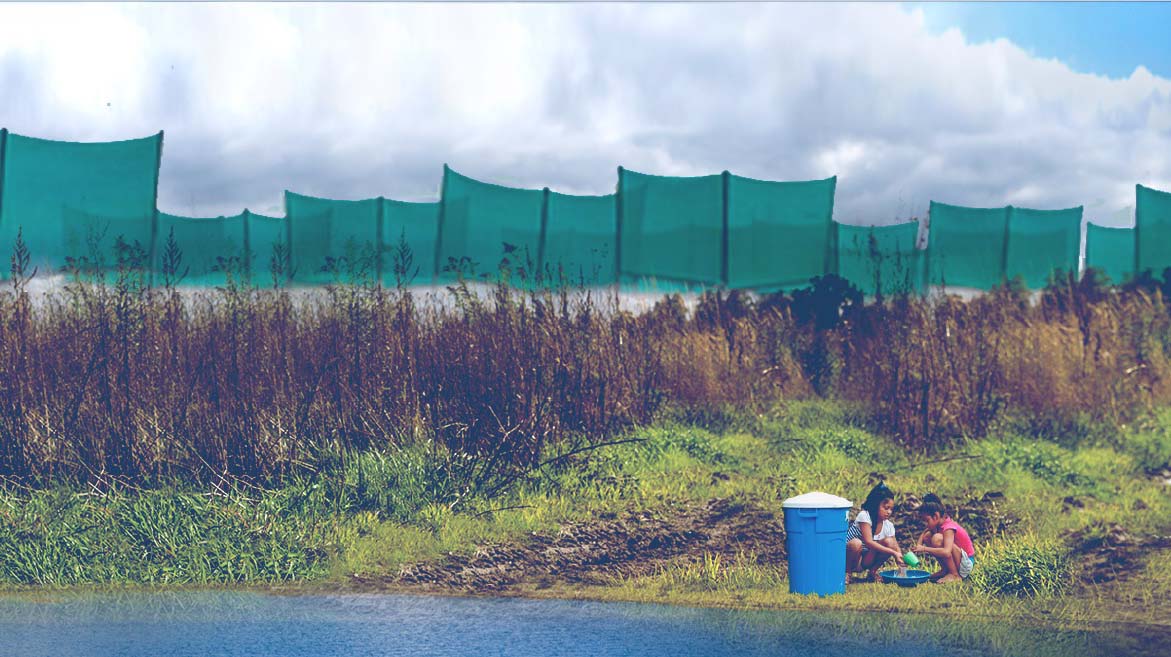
(111, 377)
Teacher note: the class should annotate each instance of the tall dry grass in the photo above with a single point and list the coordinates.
(111, 377)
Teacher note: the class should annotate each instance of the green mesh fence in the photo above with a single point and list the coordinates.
(486, 226)
(88, 207)
(780, 234)
(966, 246)
(579, 239)
(101, 246)
(1110, 251)
(269, 258)
(1041, 242)
(333, 241)
(671, 228)
(881, 258)
(73, 201)
(1152, 219)
(409, 231)
(200, 251)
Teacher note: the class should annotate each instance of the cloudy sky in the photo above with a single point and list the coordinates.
(1046, 107)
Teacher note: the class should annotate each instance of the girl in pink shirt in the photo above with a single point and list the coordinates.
(949, 544)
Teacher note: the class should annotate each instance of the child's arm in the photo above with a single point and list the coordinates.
(941, 551)
(868, 540)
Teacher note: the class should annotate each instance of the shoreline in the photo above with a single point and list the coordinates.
(1161, 626)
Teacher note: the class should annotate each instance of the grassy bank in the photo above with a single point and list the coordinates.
(1041, 502)
(543, 440)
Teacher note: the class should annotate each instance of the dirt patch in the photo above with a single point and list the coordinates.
(1106, 552)
(637, 543)
(640, 543)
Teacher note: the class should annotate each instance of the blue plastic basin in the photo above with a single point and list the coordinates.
(912, 577)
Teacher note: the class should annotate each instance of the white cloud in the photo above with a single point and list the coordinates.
(360, 100)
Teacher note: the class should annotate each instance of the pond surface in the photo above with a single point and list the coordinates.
(260, 625)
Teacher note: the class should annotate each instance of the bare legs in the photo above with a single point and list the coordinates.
(949, 566)
(853, 555)
(870, 560)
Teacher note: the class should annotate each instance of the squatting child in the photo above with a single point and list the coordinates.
(870, 539)
(948, 543)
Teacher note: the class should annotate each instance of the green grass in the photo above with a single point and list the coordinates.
(61, 537)
(373, 514)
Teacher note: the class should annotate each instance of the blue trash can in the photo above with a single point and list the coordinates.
(815, 538)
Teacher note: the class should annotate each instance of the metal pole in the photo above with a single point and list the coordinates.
(3, 161)
(289, 263)
(380, 238)
(544, 232)
(248, 245)
(618, 232)
(154, 215)
(1137, 228)
(726, 179)
(439, 226)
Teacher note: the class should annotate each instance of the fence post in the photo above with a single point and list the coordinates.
(921, 270)
(3, 163)
(248, 245)
(1137, 227)
(381, 239)
(1008, 212)
(927, 250)
(618, 232)
(833, 263)
(726, 179)
(154, 218)
(439, 228)
(289, 240)
(544, 232)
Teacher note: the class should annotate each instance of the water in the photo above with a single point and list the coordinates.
(259, 625)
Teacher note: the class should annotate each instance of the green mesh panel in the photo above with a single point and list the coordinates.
(206, 249)
(671, 228)
(1110, 251)
(1041, 242)
(1152, 216)
(97, 246)
(416, 225)
(74, 200)
(966, 246)
(484, 225)
(333, 241)
(881, 258)
(268, 246)
(780, 234)
(579, 239)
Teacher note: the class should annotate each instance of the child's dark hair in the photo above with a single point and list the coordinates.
(931, 508)
(932, 498)
(877, 496)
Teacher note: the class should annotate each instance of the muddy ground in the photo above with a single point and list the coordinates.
(1106, 552)
(596, 552)
(640, 543)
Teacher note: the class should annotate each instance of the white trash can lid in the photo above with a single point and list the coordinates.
(817, 500)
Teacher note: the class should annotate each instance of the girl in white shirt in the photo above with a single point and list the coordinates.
(870, 540)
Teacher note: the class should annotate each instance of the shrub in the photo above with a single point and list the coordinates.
(1151, 445)
(696, 443)
(719, 419)
(1047, 461)
(1022, 566)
